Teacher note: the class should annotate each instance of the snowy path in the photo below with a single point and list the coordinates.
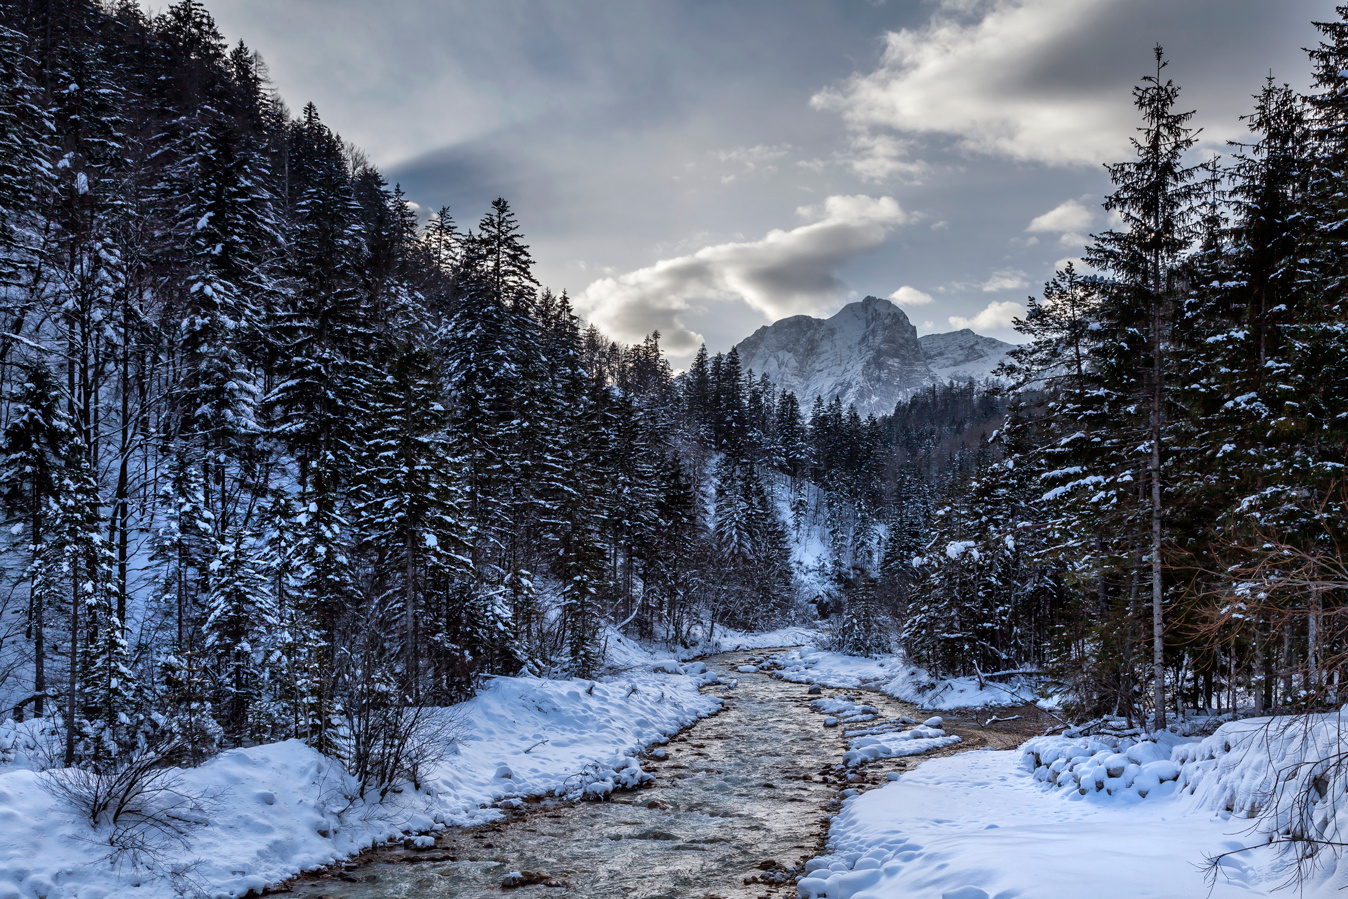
(744, 794)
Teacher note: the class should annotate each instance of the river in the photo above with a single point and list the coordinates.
(740, 802)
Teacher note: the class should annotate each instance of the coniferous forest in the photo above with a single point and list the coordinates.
(277, 451)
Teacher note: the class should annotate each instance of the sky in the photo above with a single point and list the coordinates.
(704, 168)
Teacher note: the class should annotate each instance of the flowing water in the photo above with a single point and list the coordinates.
(739, 804)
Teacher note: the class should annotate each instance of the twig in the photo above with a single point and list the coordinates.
(994, 719)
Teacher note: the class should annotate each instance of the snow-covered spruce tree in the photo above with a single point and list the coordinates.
(489, 387)
(984, 595)
(1060, 439)
(239, 617)
(25, 167)
(182, 551)
(98, 713)
(862, 629)
(906, 537)
(408, 506)
(1315, 395)
(1240, 326)
(36, 442)
(484, 381)
(753, 558)
(1156, 198)
(318, 407)
(670, 563)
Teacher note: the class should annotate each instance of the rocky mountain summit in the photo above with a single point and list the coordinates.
(867, 354)
(962, 355)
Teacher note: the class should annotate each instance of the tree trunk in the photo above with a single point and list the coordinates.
(1257, 689)
(37, 603)
(74, 678)
(1157, 623)
(39, 655)
(410, 620)
(1313, 641)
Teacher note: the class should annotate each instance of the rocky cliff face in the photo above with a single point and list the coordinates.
(868, 354)
(963, 355)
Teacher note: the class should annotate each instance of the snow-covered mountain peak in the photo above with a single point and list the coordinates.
(963, 355)
(868, 354)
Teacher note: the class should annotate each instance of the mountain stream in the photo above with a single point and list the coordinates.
(741, 801)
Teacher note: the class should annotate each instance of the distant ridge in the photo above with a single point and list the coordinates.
(867, 354)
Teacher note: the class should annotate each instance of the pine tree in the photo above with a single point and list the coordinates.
(238, 617)
(36, 443)
(1155, 197)
(408, 502)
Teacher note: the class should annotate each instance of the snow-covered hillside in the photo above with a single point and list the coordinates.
(867, 354)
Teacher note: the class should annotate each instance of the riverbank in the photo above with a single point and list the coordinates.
(256, 817)
(1108, 817)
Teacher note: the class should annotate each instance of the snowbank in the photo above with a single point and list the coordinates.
(975, 826)
(1105, 816)
(1280, 774)
(270, 812)
(896, 676)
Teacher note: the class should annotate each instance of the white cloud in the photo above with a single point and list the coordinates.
(910, 296)
(1005, 279)
(1069, 220)
(976, 81)
(1077, 263)
(784, 273)
(1068, 216)
(750, 161)
(997, 316)
(878, 157)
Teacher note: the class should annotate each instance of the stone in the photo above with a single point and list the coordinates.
(517, 879)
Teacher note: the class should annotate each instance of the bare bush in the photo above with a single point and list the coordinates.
(384, 745)
(388, 734)
(137, 804)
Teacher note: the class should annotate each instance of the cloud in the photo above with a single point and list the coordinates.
(878, 157)
(997, 316)
(910, 296)
(1005, 279)
(1069, 220)
(784, 273)
(989, 83)
(750, 161)
(1068, 216)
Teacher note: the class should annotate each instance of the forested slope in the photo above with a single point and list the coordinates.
(278, 456)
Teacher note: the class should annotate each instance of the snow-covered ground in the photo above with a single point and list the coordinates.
(1104, 817)
(270, 812)
(895, 676)
(622, 654)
